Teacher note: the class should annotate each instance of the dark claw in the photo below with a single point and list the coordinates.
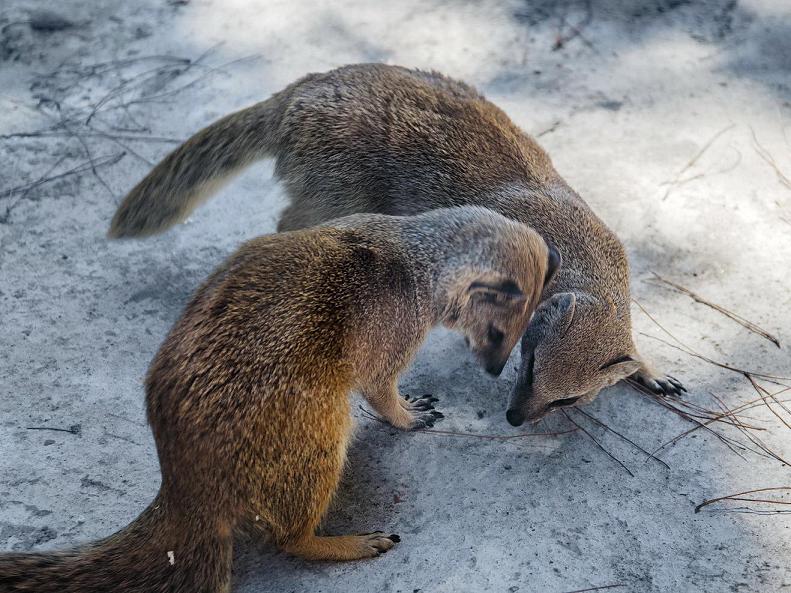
(394, 537)
(671, 386)
(676, 383)
(437, 414)
(422, 406)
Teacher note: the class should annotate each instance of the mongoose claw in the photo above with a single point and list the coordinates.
(423, 412)
(427, 419)
(677, 383)
(661, 385)
(425, 402)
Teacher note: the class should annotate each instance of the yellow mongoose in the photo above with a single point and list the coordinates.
(248, 395)
(376, 138)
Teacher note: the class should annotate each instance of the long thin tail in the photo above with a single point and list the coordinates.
(156, 553)
(195, 170)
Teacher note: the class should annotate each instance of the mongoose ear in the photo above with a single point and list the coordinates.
(495, 292)
(553, 316)
(555, 261)
(562, 310)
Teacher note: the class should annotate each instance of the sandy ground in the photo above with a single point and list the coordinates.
(672, 118)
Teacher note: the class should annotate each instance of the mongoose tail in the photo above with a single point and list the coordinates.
(159, 552)
(197, 169)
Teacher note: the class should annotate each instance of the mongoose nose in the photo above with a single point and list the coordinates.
(515, 417)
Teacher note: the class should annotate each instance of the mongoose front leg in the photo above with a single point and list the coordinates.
(404, 413)
(342, 547)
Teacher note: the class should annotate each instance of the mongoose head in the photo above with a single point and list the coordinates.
(492, 307)
(555, 372)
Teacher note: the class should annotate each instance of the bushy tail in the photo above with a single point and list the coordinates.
(156, 553)
(196, 169)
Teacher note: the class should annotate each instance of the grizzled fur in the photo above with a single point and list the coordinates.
(248, 397)
(376, 138)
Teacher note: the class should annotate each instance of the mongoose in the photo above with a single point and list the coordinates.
(248, 396)
(377, 138)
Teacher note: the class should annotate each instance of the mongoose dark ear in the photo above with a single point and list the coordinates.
(553, 316)
(505, 291)
(555, 261)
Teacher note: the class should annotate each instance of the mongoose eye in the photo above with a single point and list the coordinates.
(616, 360)
(568, 401)
(495, 336)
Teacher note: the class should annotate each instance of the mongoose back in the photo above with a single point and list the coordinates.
(248, 396)
(376, 138)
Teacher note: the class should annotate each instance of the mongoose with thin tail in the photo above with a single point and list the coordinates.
(248, 396)
(377, 138)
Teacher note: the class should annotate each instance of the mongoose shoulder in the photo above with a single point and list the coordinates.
(376, 138)
(248, 396)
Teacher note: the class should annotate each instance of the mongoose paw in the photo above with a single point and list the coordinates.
(424, 402)
(422, 410)
(661, 385)
(377, 543)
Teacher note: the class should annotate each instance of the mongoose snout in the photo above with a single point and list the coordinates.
(248, 396)
(492, 344)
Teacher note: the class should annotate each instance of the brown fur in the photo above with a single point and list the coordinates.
(248, 396)
(376, 138)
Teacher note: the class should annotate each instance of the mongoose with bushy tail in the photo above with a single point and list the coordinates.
(376, 138)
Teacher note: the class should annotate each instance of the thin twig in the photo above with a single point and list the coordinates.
(730, 314)
(81, 168)
(89, 154)
(95, 132)
(71, 430)
(6, 215)
(181, 67)
(207, 73)
(491, 437)
(694, 160)
(576, 30)
(727, 441)
(598, 444)
(494, 437)
(602, 588)
(623, 437)
(766, 395)
(554, 126)
(731, 496)
(686, 349)
(718, 417)
(769, 159)
(751, 437)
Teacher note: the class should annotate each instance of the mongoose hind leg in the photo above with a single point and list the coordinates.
(404, 413)
(295, 528)
(296, 488)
